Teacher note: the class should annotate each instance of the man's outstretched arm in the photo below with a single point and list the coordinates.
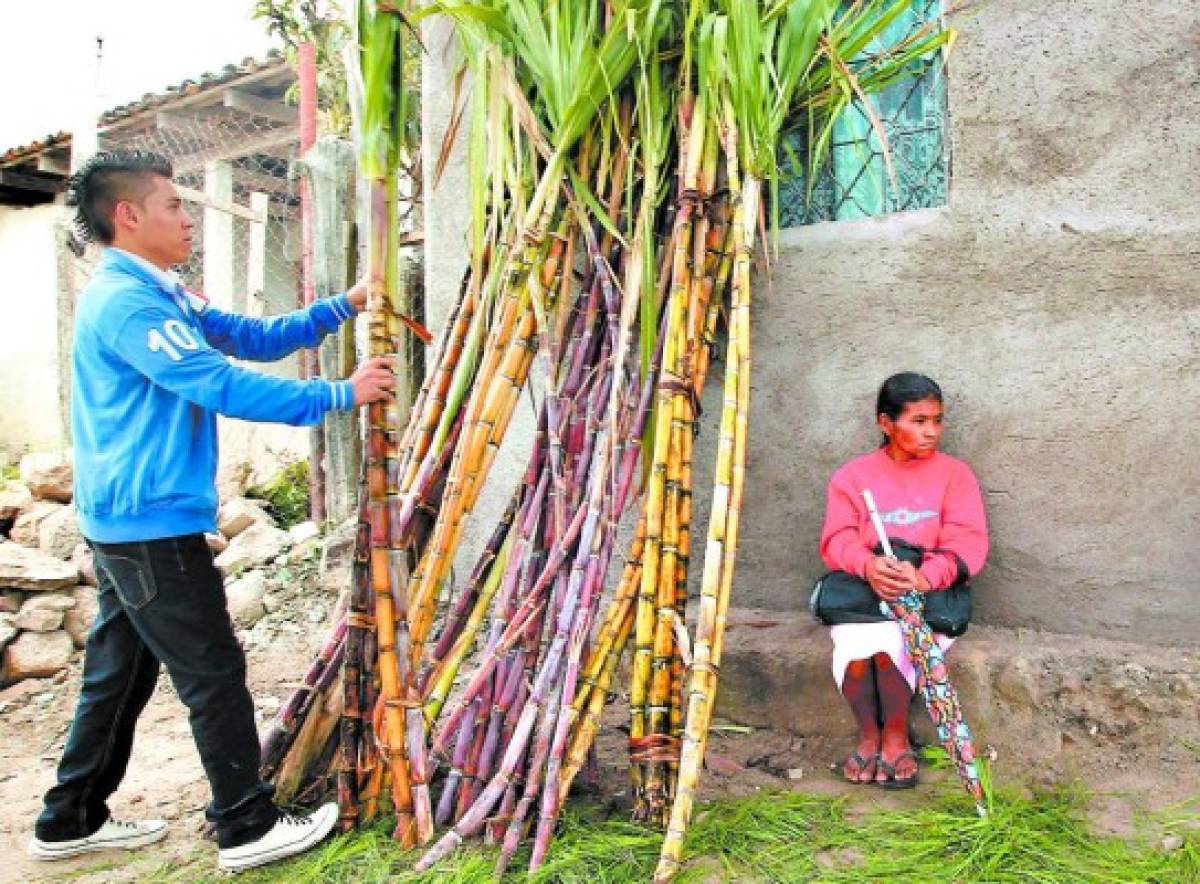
(156, 343)
(273, 337)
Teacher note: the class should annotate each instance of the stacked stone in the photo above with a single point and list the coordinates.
(47, 585)
(48, 595)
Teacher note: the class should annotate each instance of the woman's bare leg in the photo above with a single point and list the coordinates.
(858, 687)
(895, 699)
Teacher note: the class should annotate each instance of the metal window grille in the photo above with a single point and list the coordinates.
(853, 181)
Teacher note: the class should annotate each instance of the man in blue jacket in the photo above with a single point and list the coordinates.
(151, 374)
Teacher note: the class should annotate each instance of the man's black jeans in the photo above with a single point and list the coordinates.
(160, 601)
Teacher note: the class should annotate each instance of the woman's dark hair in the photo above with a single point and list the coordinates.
(105, 180)
(900, 389)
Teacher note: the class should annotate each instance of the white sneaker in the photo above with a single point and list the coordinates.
(113, 833)
(289, 836)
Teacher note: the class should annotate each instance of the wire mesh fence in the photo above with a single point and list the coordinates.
(854, 181)
(234, 156)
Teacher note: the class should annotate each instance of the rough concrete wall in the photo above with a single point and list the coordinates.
(29, 369)
(1056, 301)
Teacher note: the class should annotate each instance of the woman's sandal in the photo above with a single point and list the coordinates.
(862, 763)
(889, 770)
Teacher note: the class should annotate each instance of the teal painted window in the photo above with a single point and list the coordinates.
(853, 181)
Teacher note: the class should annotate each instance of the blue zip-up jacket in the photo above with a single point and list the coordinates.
(151, 376)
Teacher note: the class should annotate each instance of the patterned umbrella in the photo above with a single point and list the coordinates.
(933, 679)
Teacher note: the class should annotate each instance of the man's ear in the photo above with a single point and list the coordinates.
(125, 215)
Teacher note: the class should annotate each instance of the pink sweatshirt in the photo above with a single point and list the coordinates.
(933, 502)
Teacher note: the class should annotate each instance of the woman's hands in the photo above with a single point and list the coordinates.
(890, 578)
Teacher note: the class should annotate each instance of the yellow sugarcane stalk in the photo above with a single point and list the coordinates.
(721, 548)
(515, 306)
(644, 624)
(659, 698)
(622, 602)
(443, 678)
(479, 455)
(431, 401)
(588, 724)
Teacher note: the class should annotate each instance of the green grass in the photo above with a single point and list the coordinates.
(9, 473)
(791, 836)
(285, 494)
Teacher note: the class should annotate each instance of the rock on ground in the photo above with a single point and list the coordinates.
(10, 601)
(49, 476)
(255, 546)
(57, 600)
(26, 528)
(217, 543)
(37, 654)
(236, 515)
(8, 630)
(30, 569)
(38, 619)
(14, 497)
(58, 534)
(244, 599)
(85, 561)
(304, 532)
(77, 620)
(233, 479)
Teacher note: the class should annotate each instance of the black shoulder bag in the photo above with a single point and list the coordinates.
(839, 597)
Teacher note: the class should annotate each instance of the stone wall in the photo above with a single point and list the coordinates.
(1054, 298)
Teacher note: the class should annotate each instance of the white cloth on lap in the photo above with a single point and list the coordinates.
(861, 641)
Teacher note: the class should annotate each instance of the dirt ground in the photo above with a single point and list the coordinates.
(165, 778)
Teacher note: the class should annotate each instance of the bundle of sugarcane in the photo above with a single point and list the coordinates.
(586, 263)
(761, 59)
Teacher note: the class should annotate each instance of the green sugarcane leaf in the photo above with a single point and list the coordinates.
(466, 12)
(581, 189)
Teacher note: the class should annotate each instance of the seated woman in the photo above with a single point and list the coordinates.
(927, 498)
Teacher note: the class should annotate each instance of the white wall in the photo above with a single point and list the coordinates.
(29, 403)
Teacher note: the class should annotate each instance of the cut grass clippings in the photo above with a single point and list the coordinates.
(791, 836)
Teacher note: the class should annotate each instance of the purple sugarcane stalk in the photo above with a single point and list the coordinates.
(546, 679)
(471, 769)
(462, 744)
(573, 617)
(533, 780)
(457, 619)
(509, 676)
(591, 560)
(515, 629)
(499, 823)
(432, 467)
(477, 814)
(597, 571)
